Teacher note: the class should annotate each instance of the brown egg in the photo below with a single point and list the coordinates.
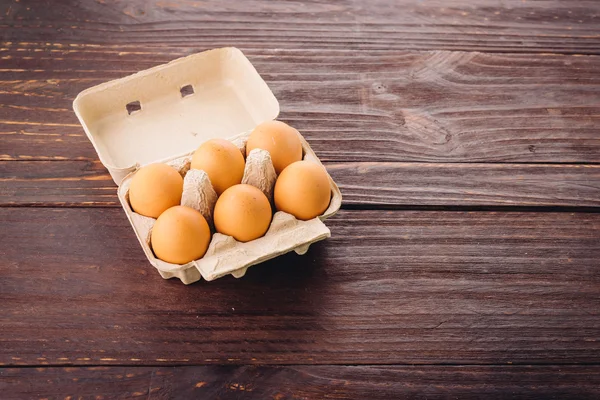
(222, 161)
(280, 140)
(243, 212)
(154, 188)
(180, 235)
(303, 190)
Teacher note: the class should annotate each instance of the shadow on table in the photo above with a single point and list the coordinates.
(289, 284)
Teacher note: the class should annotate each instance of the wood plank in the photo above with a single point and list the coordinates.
(390, 287)
(304, 382)
(483, 25)
(482, 185)
(370, 106)
(49, 183)
(87, 183)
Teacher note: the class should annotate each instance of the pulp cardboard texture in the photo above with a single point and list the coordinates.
(151, 117)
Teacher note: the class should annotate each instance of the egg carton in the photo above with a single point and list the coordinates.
(163, 114)
(225, 255)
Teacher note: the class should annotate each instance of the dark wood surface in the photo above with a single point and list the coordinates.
(303, 382)
(544, 26)
(389, 287)
(465, 136)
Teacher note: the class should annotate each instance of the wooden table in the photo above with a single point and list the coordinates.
(465, 262)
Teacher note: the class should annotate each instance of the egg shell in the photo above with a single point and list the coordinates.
(180, 235)
(280, 140)
(243, 212)
(222, 161)
(154, 189)
(303, 190)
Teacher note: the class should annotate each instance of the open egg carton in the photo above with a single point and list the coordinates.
(163, 114)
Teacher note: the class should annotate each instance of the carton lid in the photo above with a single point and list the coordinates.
(171, 109)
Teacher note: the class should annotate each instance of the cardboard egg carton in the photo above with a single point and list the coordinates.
(225, 255)
(163, 114)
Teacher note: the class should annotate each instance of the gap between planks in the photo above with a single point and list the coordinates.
(208, 364)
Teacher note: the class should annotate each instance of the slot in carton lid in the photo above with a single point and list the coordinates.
(171, 109)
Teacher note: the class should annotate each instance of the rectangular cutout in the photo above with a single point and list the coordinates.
(133, 107)
(186, 90)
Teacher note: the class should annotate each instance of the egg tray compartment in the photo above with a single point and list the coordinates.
(225, 255)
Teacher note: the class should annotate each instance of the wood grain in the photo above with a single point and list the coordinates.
(49, 183)
(482, 185)
(410, 103)
(482, 25)
(88, 184)
(390, 287)
(370, 106)
(304, 382)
